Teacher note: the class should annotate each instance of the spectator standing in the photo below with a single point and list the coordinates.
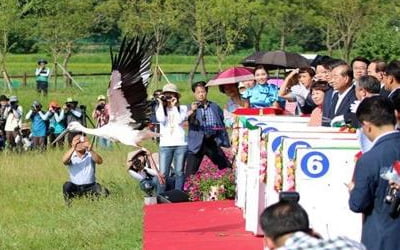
(368, 192)
(73, 114)
(57, 123)
(318, 90)
(263, 94)
(13, 113)
(173, 142)
(42, 74)
(359, 66)
(101, 114)
(298, 92)
(337, 108)
(81, 161)
(38, 125)
(235, 101)
(207, 133)
(3, 105)
(377, 69)
(391, 78)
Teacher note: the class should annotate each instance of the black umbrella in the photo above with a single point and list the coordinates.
(282, 60)
(250, 61)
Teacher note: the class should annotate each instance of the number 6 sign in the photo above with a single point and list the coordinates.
(315, 164)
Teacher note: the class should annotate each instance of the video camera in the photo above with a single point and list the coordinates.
(393, 198)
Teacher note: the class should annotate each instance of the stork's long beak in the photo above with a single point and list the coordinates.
(60, 136)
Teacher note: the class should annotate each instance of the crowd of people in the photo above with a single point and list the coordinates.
(40, 126)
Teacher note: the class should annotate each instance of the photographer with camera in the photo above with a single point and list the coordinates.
(42, 74)
(207, 133)
(368, 192)
(81, 161)
(57, 123)
(142, 168)
(73, 113)
(102, 115)
(173, 145)
(286, 226)
(13, 116)
(38, 125)
(3, 105)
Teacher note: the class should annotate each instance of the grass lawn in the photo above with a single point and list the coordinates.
(33, 214)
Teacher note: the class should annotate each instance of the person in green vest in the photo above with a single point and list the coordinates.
(42, 77)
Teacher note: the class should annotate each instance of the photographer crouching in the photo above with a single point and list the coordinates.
(102, 115)
(141, 167)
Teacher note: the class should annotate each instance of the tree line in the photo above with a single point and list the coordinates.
(368, 28)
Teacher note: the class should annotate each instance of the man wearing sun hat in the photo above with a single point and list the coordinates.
(101, 115)
(42, 74)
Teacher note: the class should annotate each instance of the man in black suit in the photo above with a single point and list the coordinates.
(391, 78)
(380, 228)
(377, 68)
(336, 110)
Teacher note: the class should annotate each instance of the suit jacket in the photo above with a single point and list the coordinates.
(196, 130)
(379, 230)
(343, 109)
(394, 93)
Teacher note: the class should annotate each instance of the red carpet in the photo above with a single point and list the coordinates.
(197, 225)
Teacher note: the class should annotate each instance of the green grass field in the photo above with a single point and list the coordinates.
(33, 214)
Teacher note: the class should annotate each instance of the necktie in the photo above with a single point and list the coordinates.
(335, 98)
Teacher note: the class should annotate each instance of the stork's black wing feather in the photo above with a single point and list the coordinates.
(130, 75)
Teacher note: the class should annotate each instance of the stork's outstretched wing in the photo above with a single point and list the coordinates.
(130, 75)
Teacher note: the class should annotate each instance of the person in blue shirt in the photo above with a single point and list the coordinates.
(57, 123)
(263, 94)
(38, 126)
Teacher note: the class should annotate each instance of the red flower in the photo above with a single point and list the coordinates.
(396, 167)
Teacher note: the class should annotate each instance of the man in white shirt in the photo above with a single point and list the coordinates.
(81, 161)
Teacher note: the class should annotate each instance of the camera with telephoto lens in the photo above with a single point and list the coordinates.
(165, 98)
(393, 198)
(100, 107)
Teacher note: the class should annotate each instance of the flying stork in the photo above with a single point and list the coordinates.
(127, 92)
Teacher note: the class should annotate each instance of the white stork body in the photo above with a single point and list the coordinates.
(127, 93)
(115, 132)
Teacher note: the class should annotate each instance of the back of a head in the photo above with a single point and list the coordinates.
(370, 84)
(377, 110)
(333, 63)
(393, 69)
(282, 218)
(380, 65)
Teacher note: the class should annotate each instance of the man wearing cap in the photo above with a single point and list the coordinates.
(101, 115)
(3, 106)
(72, 113)
(13, 113)
(38, 125)
(81, 161)
(42, 74)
